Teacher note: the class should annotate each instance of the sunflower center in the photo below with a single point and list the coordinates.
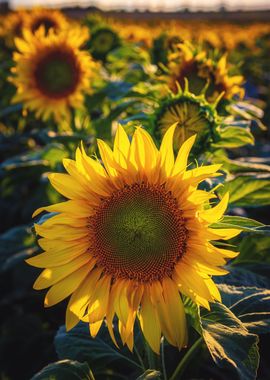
(138, 233)
(57, 74)
(193, 118)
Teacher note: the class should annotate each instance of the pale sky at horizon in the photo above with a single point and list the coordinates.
(154, 5)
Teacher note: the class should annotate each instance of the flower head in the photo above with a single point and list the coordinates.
(133, 237)
(51, 72)
(191, 63)
(193, 115)
(46, 18)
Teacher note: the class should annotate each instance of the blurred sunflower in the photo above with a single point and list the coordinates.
(192, 63)
(133, 236)
(187, 62)
(103, 40)
(193, 115)
(48, 18)
(51, 73)
(223, 82)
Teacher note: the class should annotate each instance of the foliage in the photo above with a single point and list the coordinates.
(229, 341)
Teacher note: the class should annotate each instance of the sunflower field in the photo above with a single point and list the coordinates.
(135, 198)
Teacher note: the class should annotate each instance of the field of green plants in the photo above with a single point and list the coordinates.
(134, 198)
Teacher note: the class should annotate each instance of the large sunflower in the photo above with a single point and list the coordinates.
(51, 72)
(132, 238)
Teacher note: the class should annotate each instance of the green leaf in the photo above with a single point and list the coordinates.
(245, 275)
(254, 248)
(99, 352)
(248, 191)
(15, 245)
(250, 304)
(242, 223)
(150, 374)
(65, 370)
(230, 344)
(233, 137)
(244, 164)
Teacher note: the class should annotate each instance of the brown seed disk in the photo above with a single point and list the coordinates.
(138, 233)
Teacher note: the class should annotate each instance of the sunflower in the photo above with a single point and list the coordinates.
(230, 85)
(132, 238)
(193, 115)
(48, 18)
(103, 40)
(190, 62)
(51, 72)
(187, 62)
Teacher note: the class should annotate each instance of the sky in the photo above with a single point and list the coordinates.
(154, 5)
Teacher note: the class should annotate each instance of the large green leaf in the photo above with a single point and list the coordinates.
(230, 344)
(65, 370)
(254, 248)
(247, 190)
(99, 352)
(250, 304)
(233, 137)
(245, 275)
(241, 223)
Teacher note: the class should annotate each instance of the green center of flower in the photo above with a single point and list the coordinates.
(57, 74)
(192, 117)
(138, 233)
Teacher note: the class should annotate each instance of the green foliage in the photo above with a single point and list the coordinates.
(250, 304)
(131, 89)
(98, 352)
(230, 344)
(248, 190)
(65, 369)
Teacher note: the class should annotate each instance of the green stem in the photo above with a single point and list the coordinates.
(186, 359)
(139, 358)
(150, 356)
(163, 360)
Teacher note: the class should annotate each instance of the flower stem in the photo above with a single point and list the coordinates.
(150, 356)
(163, 360)
(186, 359)
(139, 358)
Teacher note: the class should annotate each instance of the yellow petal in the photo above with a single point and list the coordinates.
(143, 153)
(67, 186)
(64, 288)
(182, 157)
(80, 299)
(94, 328)
(192, 284)
(149, 322)
(78, 208)
(225, 234)
(121, 147)
(50, 276)
(107, 158)
(99, 300)
(176, 318)
(62, 232)
(214, 214)
(166, 150)
(54, 258)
